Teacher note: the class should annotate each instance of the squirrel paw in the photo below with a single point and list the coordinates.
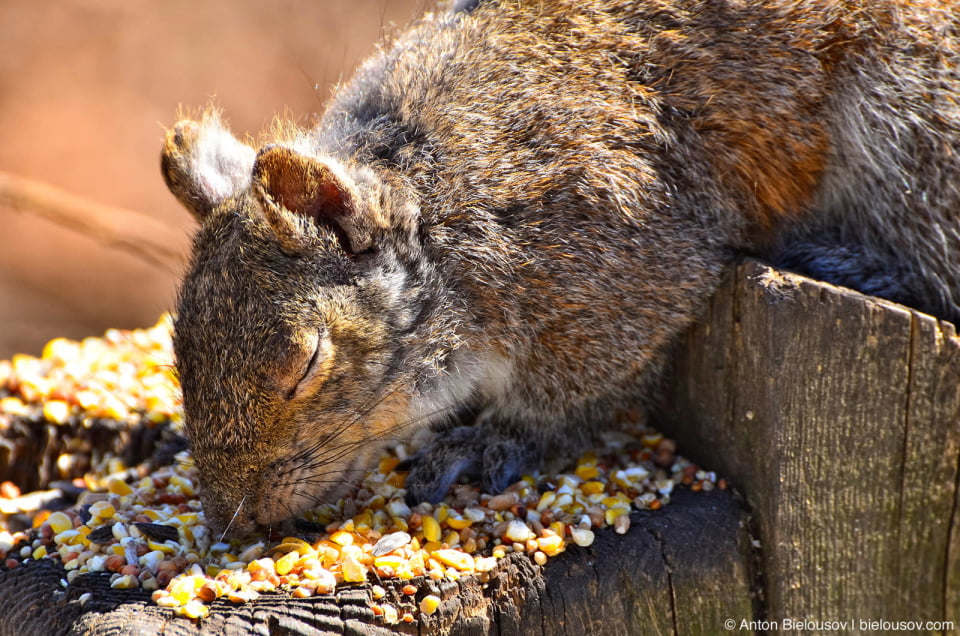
(470, 451)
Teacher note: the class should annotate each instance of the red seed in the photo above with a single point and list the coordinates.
(132, 570)
(115, 562)
(207, 593)
(164, 577)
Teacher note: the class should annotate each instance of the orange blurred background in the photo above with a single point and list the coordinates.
(86, 89)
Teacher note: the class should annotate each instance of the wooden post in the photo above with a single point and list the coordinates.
(838, 416)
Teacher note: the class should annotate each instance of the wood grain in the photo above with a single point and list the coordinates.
(837, 416)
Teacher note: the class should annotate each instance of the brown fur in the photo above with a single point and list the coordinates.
(518, 207)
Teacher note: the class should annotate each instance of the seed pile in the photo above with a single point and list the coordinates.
(123, 375)
(67, 412)
(149, 530)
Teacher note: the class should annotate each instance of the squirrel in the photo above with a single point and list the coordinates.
(518, 206)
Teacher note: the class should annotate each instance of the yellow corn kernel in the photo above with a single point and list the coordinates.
(119, 487)
(592, 488)
(262, 564)
(59, 522)
(551, 544)
(431, 529)
(429, 604)
(13, 406)
(341, 537)
(184, 484)
(389, 560)
(459, 523)
(166, 548)
(183, 588)
(61, 349)
(545, 500)
(102, 510)
(286, 562)
(56, 411)
(352, 570)
(452, 538)
(587, 471)
(610, 515)
(194, 609)
(387, 464)
(125, 582)
(455, 558)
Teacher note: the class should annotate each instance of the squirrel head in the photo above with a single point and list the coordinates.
(290, 322)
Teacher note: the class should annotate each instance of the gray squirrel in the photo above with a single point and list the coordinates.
(518, 206)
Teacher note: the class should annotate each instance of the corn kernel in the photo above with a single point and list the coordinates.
(592, 488)
(353, 571)
(459, 523)
(59, 522)
(551, 544)
(586, 472)
(431, 529)
(119, 487)
(125, 582)
(582, 537)
(455, 558)
(56, 411)
(342, 538)
(13, 405)
(285, 563)
(429, 604)
(194, 609)
(389, 560)
(102, 510)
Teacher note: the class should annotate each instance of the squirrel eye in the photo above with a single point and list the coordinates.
(311, 369)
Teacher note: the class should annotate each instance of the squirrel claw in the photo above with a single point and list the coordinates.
(470, 451)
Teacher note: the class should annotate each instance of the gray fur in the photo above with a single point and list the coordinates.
(546, 193)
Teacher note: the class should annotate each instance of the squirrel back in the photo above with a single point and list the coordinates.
(518, 206)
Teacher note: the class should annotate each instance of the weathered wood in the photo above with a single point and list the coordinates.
(681, 570)
(838, 416)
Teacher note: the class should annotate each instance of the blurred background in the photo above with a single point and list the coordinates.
(86, 90)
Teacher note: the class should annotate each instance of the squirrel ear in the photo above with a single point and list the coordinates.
(291, 185)
(204, 164)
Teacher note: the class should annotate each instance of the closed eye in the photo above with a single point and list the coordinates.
(307, 372)
(318, 368)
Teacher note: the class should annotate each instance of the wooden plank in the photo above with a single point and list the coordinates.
(928, 488)
(836, 415)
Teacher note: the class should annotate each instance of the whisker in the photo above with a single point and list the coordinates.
(334, 453)
(236, 512)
